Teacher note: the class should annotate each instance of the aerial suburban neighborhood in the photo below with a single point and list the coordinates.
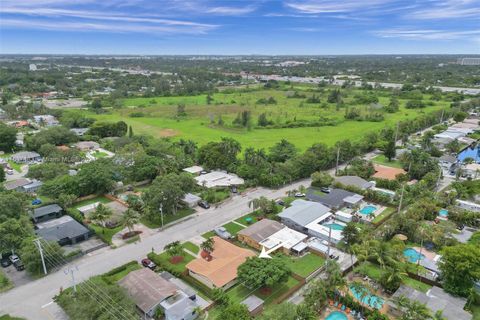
(295, 184)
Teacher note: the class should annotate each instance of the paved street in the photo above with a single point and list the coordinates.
(27, 300)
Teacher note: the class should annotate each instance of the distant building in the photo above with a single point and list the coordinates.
(195, 170)
(17, 185)
(26, 156)
(469, 61)
(219, 179)
(468, 205)
(32, 187)
(32, 67)
(79, 131)
(87, 145)
(354, 181)
(191, 200)
(47, 120)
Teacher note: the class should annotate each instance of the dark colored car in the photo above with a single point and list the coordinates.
(280, 202)
(19, 265)
(147, 263)
(204, 204)
(234, 189)
(5, 262)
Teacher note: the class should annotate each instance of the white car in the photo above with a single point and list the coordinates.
(299, 195)
(9, 171)
(222, 233)
(13, 258)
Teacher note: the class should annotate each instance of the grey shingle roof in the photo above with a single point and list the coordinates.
(62, 228)
(333, 199)
(354, 181)
(252, 302)
(42, 211)
(303, 212)
(262, 229)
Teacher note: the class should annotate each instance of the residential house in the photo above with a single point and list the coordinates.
(436, 299)
(26, 157)
(221, 270)
(49, 212)
(448, 162)
(64, 230)
(47, 120)
(336, 199)
(471, 170)
(87, 145)
(354, 181)
(32, 187)
(468, 205)
(301, 213)
(17, 185)
(79, 131)
(219, 179)
(195, 170)
(150, 292)
(258, 232)
(191, 200)
(287, 240)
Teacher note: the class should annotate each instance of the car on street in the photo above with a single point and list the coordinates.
(299, 195)
(204, 204)
(14, 258)
(5, 262)
(147, 263)
(19, 265)
(222, 233)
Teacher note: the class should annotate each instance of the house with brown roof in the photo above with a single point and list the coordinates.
(87, 145)
(258, 232)
(221, 270)
(150, 291)
(387, 173)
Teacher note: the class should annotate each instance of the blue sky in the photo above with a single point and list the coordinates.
(240, 26)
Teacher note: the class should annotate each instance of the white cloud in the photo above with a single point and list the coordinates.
(427, 34)
(231, 11)
(450, 9)
(333, 6)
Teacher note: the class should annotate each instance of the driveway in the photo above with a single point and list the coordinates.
(18, 278)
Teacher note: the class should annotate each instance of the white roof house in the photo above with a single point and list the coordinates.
(319, 228)
(219, 179)
(285, 238)
(450, 134)
(468, 205)
(194, 170)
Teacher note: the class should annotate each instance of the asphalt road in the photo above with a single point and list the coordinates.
(27, 300)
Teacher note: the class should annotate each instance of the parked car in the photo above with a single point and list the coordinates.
(204, 204)
(19, 265)
(299, 195)
(14, 258)
(222, 233)
(147, 263)
(325, 189)
(9, 172)
(280, 202)
(233, 189)
(5, 262)
(36, 202)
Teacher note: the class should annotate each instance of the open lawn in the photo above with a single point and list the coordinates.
(386, 213)
(158, 117)
(99, 154)
(380, 159)
(121, 274)
(475, 310)
(163, 261)
(100, 199)
(191, 247)
(167, 218)
(106, 234)
(305, 265)
(15, 166)
(233, 228)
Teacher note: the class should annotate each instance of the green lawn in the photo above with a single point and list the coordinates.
(415, 284)
(475, 311)
(380, 159)
(167, 218)
(387, 212)
(208, 234)
(191, 247)
(5, 283)
(15, 166)
(305, 265)
(163, 261)
(99, 154)
(9, 317)
(243, 220)
(160, 117)
(120, 275)
(233, 228)
(105, 234)
(100, 199)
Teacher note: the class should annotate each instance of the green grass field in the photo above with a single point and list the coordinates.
(233, 228)
(201, 122)
(191, 247)
(380, 159)
(305, 265)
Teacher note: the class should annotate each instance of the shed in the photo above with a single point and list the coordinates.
(254, 304)
(191, 200)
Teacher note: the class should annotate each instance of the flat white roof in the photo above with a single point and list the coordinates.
(193, 169)
(286, 238)
(318, 227)
(353, 199)
(219, 179)
(343, 214)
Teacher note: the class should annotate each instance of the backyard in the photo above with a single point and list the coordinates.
(304, 265)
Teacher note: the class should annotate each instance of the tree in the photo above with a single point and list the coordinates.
(55, 136)
(413, 310)
(391, 279)
(256, 272)
(389, 150)
(101, 214)
(460, 116)
(2, 175)
(31, 256)
(174, 249)
(234, 311)
(304, 312)
(129, 219)
(393, 105)
(282, 151)
(66, 200)
(321, 179)
(283, 311)
(350, 234)
(208, 245)
(130, 132)
(8, 136)
(460, 267)
(181, 110)
(47, 170)
(261, 203)
(316, 295)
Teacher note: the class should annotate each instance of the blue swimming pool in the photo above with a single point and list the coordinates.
(336, 315)
(473, 153)
(413, 255)
(367, 210)
(334, 226)
(443, 213)
(372, 300)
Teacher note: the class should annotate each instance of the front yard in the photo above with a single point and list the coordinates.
(162, 260)
(167, 218)
(380, 159)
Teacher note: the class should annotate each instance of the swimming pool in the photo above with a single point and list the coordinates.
(367, 210)
(470, 153)
(372, 300)
(336, 315)
(334, 226)
(443, 213)
(413, 255)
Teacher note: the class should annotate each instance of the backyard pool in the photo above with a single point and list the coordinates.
(367, 210)
(413, 255)
(468, 152)
(443, 213)
(336, 315)
(334, 226)
(372, 300)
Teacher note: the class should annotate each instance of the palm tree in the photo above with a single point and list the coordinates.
(101, 214)
(208, 245)
(413, 310)
(261, 203)
(129, 219)
(174, 249)
(382, 253)
(392, 278)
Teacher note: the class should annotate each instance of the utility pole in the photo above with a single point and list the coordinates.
(338, 159)
(401, 199)
(71, 271)
(329, 239)
(441, 118)
(39, 246)
(161, 213)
